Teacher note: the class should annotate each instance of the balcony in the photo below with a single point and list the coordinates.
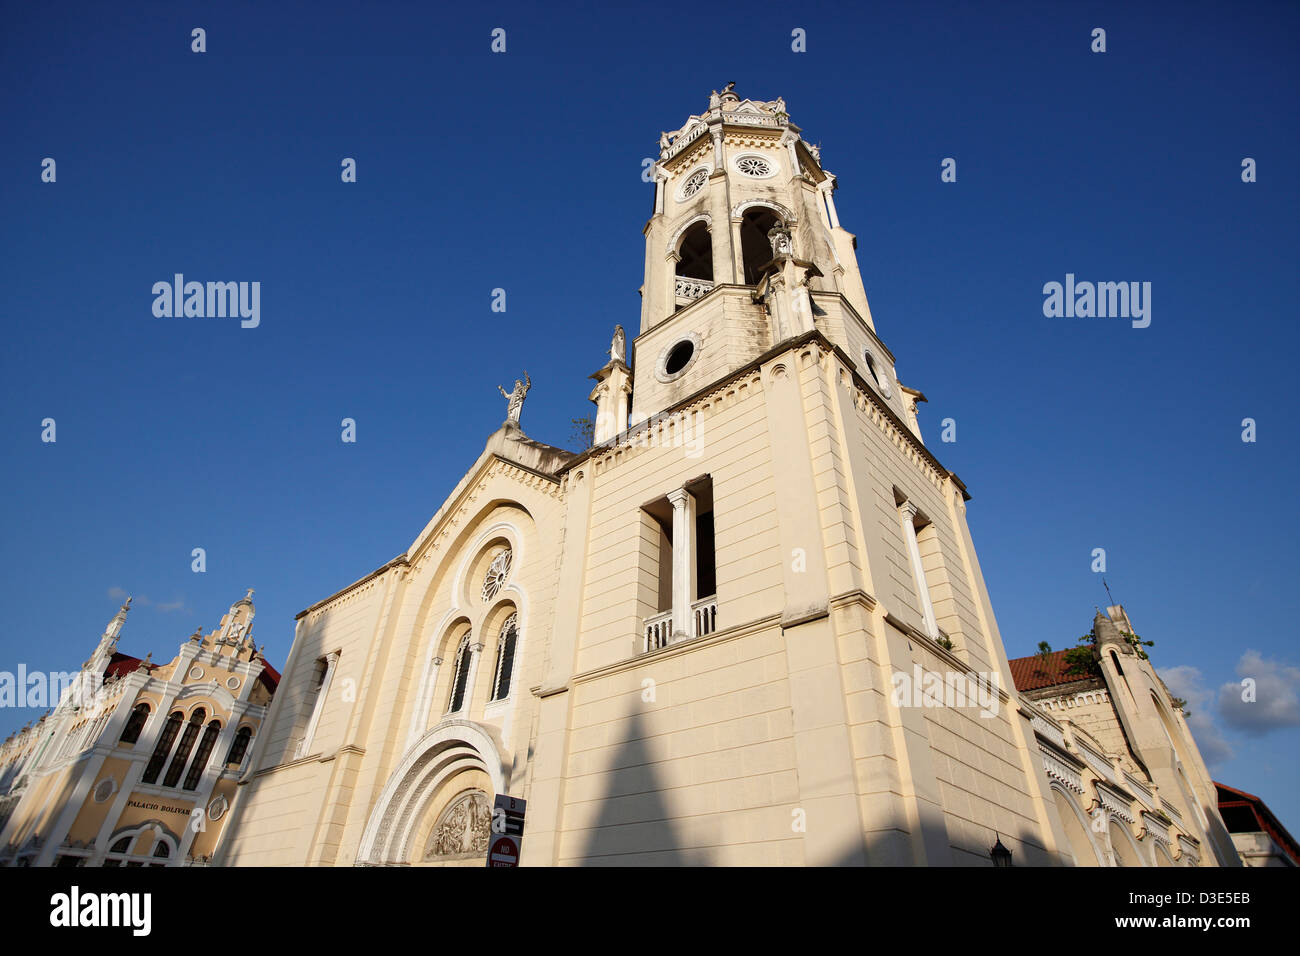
(688, 290)
(659, 629)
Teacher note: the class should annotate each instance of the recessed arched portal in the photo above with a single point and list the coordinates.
(453, 751)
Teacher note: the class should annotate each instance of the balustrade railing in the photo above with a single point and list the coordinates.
(658, 630)
(692, 289)
(704, 613)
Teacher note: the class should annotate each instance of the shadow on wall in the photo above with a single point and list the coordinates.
(634, 826)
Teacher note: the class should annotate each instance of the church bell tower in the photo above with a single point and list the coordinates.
(744, 251)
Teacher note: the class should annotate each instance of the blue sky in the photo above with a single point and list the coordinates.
(522, 171)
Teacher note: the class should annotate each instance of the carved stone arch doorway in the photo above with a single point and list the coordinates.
(434, 807)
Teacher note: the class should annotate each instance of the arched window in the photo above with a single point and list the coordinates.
(183, 751)
(695, 253)
(755, 247)
(239, 747)
(505, 657)
(119, 848)
(119, 854)
(135, 724)
(201, 756)
(460, 676)
(164, 746)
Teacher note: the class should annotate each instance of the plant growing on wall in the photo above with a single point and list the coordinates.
(1082, 660)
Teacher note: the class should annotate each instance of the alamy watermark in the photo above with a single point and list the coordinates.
(212, 300)
(952, 689)
(1102, 300)
(42, 689)
(664, 430)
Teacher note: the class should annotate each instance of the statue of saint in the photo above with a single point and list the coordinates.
(618, 348)
(779, 236)
(516, 398)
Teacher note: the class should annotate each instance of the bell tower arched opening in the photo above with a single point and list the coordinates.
(695, 253)
(755, 247)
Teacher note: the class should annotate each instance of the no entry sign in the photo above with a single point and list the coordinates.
(507, 831)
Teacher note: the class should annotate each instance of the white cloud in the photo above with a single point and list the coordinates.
(1187, 682)
(142, 600)
(1275, 688)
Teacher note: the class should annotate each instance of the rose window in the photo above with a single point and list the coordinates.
(754, 166)
(497, 573)
(694, 184)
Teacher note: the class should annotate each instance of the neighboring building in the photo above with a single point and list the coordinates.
(1258, 836)
(136, 766)
(1127, 778)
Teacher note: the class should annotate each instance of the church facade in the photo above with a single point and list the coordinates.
(747, 626)
(136, 764)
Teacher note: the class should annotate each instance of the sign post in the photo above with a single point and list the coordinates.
(507, 838)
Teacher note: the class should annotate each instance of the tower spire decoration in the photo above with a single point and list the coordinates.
(114, 628)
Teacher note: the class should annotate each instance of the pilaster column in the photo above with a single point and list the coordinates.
(476, 654)
(908, 512)
(829, 192)
(610, 396)
(683, 503)
(420, 718)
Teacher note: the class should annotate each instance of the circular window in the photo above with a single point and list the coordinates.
(232, 682)
(105, 789)
(679, 356)
(496, 575)
(754, 166)
(196, 672)
(694, 183)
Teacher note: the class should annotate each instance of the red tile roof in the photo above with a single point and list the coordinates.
(1035, 671)
(121, 664)
(270, 677)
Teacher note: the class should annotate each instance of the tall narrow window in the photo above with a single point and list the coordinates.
(163, 748)
(239, 747)
(201, 756)
(460, 676)
(706, 573)
(135, 723)
(183, 750)
(315, 699)
(910, 516)
(505, 657)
